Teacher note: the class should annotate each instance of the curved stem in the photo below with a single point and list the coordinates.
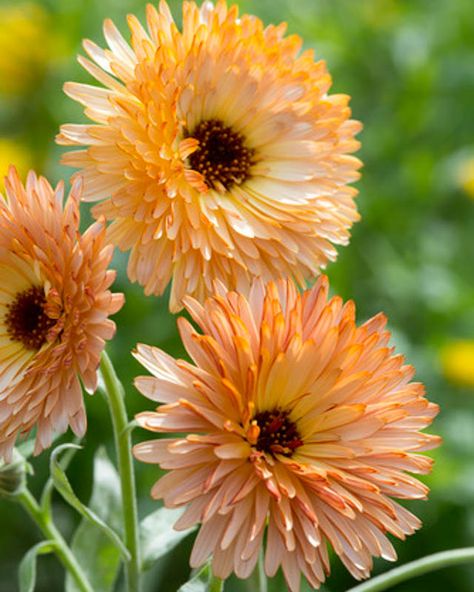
(50, 531)
(416, 568)
(115, 396)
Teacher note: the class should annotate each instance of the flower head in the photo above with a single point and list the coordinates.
(54, 308)
(218, 152)
(295, 418)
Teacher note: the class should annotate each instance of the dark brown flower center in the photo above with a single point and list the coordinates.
(278, 434)
(26, 320)
(222, 158)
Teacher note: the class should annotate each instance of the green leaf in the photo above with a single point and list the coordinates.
(199, 583)
(158, 536)
(27, 568)
(98, 556)
(62, 485)
(47, 493)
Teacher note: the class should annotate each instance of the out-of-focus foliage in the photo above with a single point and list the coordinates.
(409, 66)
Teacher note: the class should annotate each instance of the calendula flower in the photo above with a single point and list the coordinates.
(54, 308)
(218, 152)
(296, 419)
(24, 47)
(457, 361)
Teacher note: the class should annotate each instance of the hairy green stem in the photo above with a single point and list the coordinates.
(61, 548)
(262, 578)
(416, 568)
(116, 399)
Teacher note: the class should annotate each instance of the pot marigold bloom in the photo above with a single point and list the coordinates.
(296, 418)
(54, 308)
(218, 153)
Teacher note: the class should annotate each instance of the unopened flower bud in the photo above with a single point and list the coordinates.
(13, 475)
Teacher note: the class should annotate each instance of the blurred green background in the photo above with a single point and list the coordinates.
(409, 67)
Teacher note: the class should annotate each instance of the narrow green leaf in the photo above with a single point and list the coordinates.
(199, 583)
(98, 556)
(48, 489)
(157, 535)
(27, 568)
(62, 485)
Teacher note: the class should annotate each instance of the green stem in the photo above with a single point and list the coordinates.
(116, 398)
(416, 568)
(50, 531)
(216, 584)
(262, 578)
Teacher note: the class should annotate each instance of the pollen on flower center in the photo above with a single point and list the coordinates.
(222, 158)
(278, 434)
(26, 320)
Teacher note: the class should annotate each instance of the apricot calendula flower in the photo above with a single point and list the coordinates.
(217, 154)
(295, 417)
(457, 361)
(54, 308)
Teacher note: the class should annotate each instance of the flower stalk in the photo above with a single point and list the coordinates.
(47, 527)
(116, 398)
(415, 569)
(262, 578)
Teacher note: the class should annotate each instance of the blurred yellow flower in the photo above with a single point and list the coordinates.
(24, 47)
(465, 175)
(457, 360)
(13, 152)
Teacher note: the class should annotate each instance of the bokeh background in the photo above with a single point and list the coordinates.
(409, 66)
